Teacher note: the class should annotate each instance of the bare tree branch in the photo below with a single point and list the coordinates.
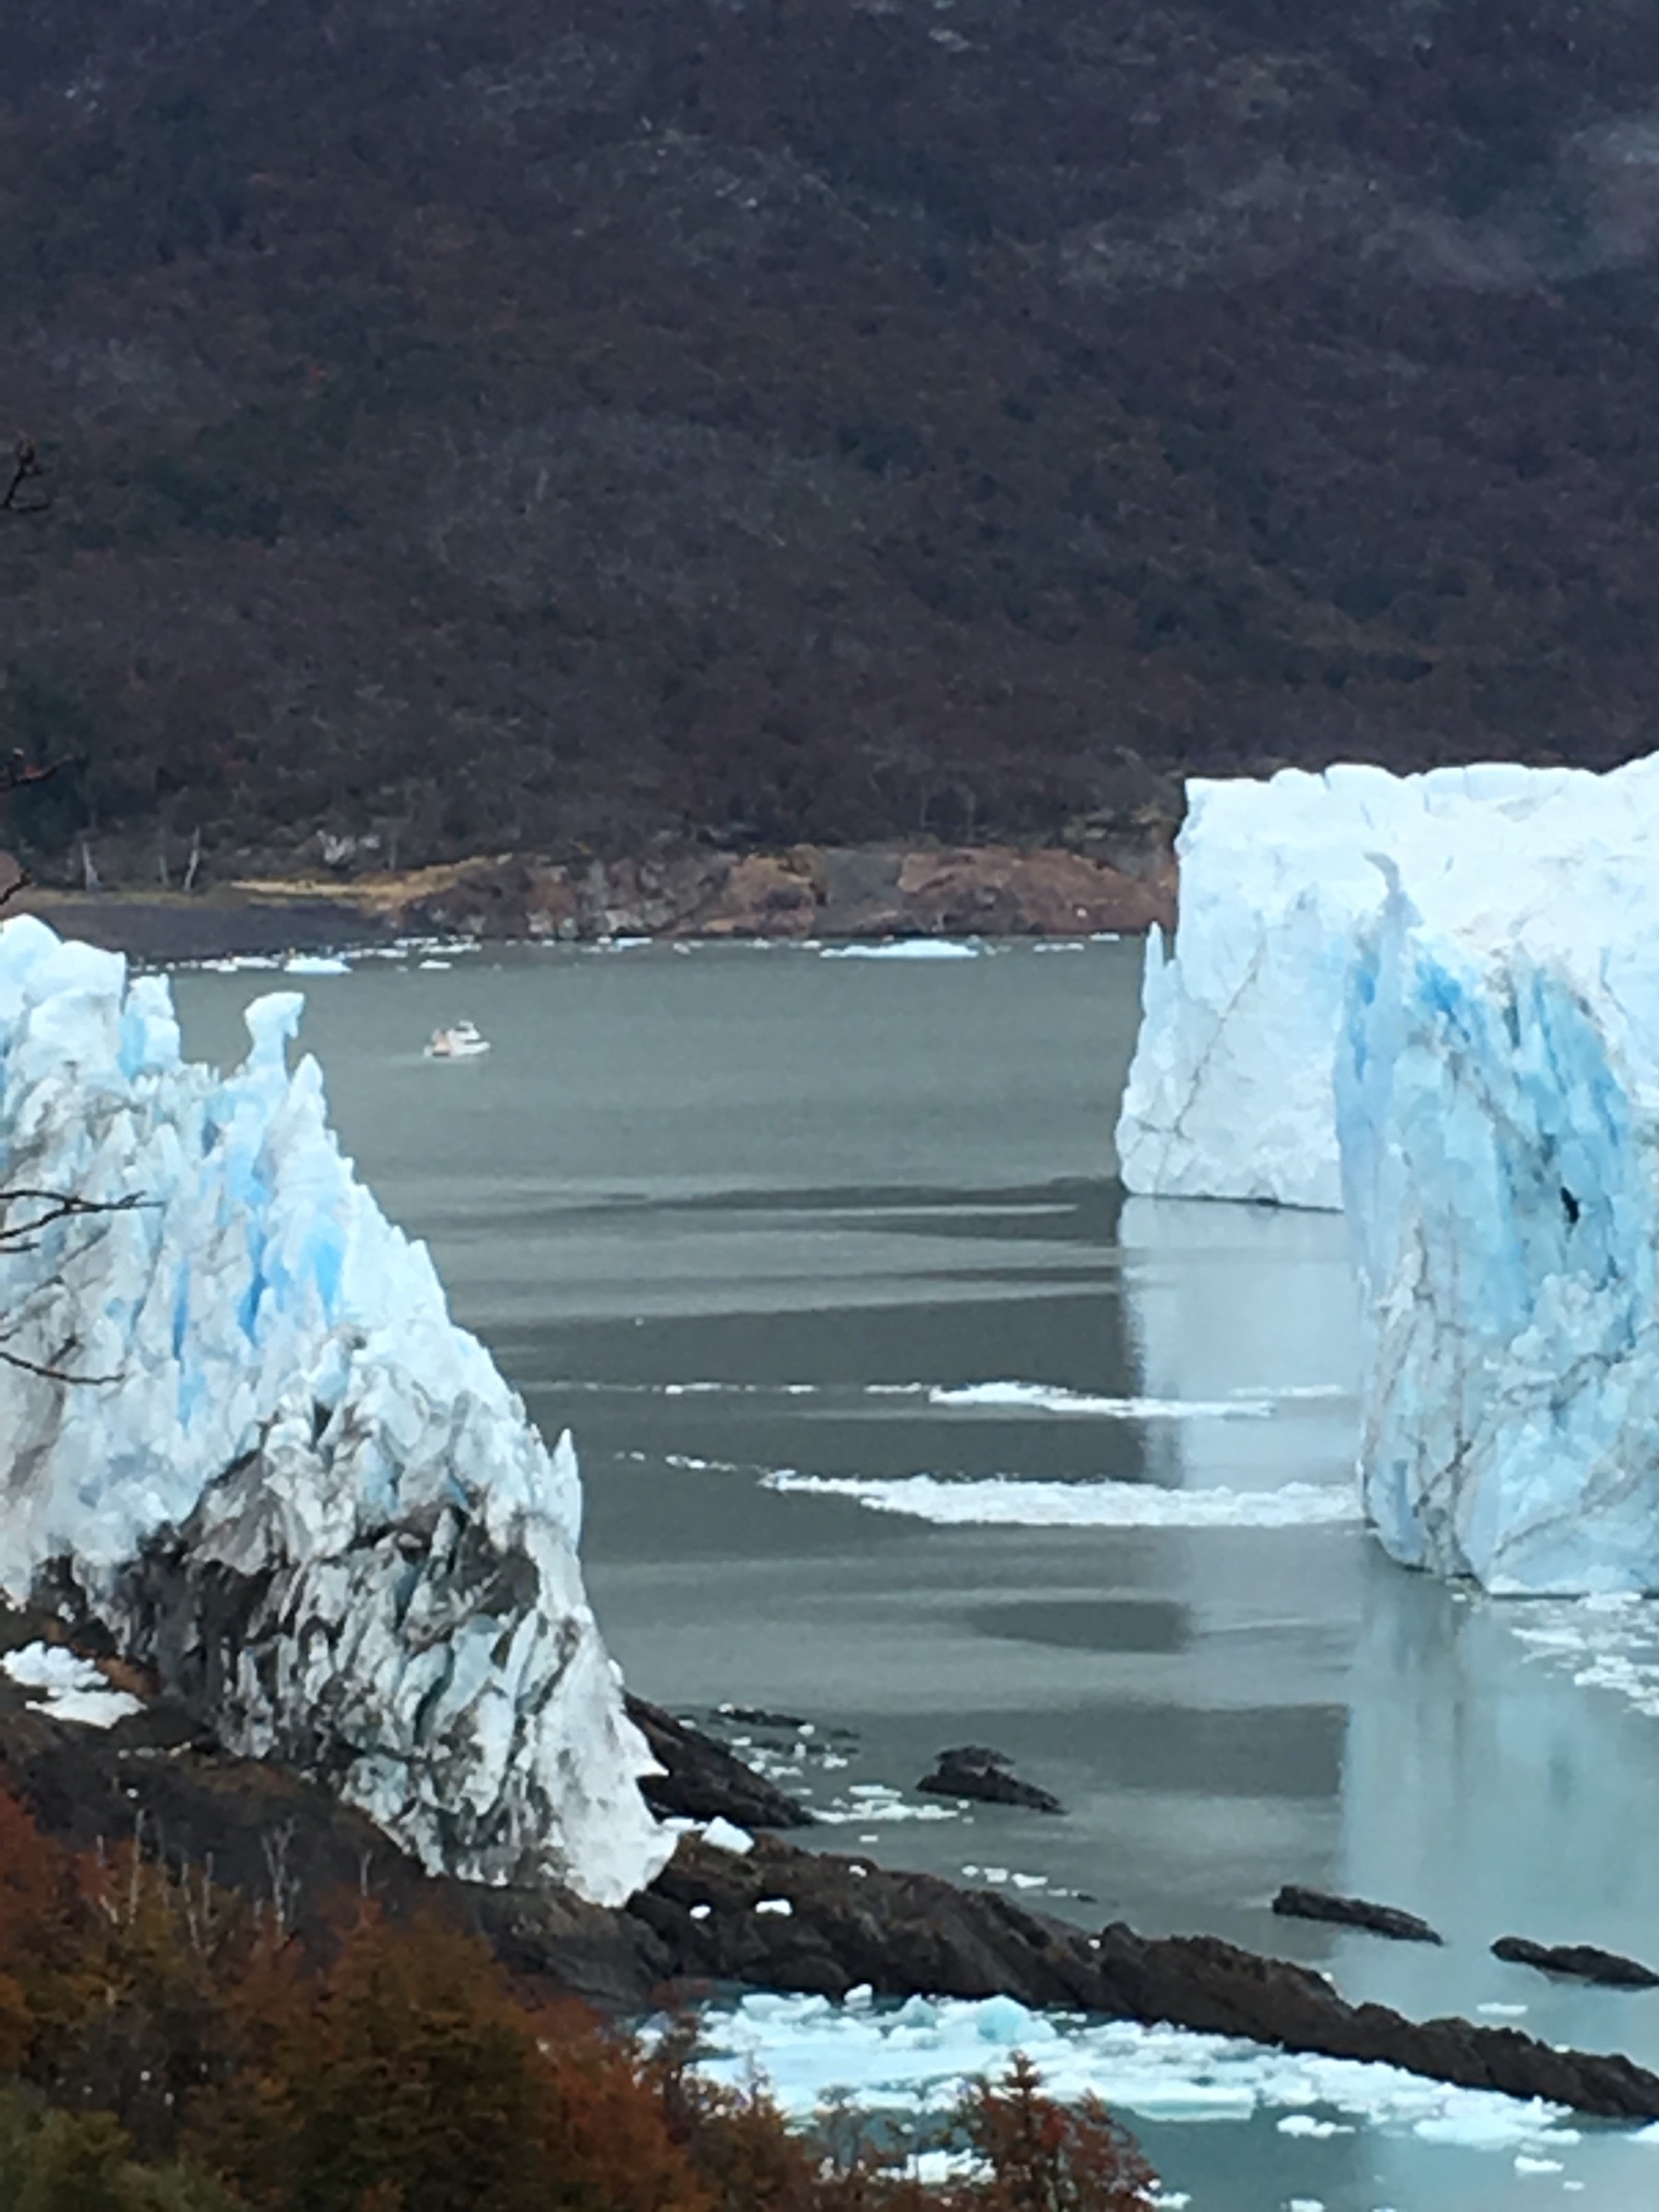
(25, 470)
(51, 1206)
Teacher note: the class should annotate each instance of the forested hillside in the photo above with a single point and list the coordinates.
(473, 423)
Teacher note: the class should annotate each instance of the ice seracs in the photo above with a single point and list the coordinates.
(1229, 1095)
(252, 1443)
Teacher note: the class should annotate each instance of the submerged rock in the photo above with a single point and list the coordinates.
(974, 1771)
(1583, 1962)
(1295, 1903)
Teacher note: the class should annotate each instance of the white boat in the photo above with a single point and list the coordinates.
(461, 1041)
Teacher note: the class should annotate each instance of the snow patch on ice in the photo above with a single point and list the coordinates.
(75, 1690)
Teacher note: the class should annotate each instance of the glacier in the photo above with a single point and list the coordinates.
(1497, 1098)
(1230, 1094)
(244, 1434)
(1433, 1002)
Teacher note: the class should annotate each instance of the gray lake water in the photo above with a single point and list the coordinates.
(812, 1181)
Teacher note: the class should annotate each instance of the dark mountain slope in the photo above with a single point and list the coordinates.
(493, 421)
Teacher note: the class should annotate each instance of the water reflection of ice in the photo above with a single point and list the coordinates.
(1243, 1302)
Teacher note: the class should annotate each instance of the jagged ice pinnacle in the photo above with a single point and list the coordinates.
(280, 1472)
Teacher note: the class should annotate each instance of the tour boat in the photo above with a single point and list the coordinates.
(462, 1040)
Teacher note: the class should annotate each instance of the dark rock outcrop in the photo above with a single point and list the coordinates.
(704, 1781)
(851, 1922)
(1201, 1983)
(974, 1771)
(290, 1842)
(1583, 1962)
(1295, 1903)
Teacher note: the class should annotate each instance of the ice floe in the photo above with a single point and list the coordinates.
(905, 948)
(1005, 1501)
(915, 2059)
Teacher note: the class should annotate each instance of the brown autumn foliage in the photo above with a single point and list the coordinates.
(167, 2046)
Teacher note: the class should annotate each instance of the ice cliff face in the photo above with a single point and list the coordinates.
(1231, 1092)
(280, 1472)
(1469, 1063)
(1497, 1102)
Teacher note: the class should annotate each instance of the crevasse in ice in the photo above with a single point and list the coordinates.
(1229, 1095)
(1497, 1087)
(279, 1471)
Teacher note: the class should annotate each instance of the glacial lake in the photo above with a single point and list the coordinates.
(753, 1222)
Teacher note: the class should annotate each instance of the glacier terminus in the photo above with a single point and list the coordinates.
(245, 1437)
(1434, 1001)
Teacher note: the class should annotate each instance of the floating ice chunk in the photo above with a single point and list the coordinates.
(916, 2058)
(904, 948)
(1043, 1398)
(778, 1906)
(1315, 2130)
(315, 963)
(725, 1836)
(1005, 1501)
(879, 1800)
(307, 1499)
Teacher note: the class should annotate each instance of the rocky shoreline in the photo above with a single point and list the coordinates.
(1122, 882)
(699, 1928)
